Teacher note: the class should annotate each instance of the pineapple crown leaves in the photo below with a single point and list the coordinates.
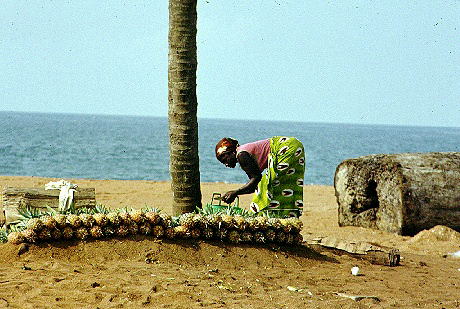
(84, 210)
(28, 212)
(152, 209)
(231, 211)
(100, 209)
(206, 210)
(272, 213)
(50, 211)
(25, 214)
(3, 236)
(124, 209)
(15, 228)
(175, 221)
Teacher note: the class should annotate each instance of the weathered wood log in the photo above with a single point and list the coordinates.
(14, 198)
(399, 193)
(373, 253)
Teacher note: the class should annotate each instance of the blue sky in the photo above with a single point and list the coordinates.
(373, 62)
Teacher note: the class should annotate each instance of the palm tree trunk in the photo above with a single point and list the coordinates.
(182, 103)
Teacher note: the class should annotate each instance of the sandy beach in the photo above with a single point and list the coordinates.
(195, 274)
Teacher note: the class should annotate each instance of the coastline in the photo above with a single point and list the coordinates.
(319, 216)
(115, 272)
(151, 193)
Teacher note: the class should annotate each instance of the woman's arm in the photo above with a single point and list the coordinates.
(250, 166)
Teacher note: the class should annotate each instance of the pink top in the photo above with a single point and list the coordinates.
(259, 150)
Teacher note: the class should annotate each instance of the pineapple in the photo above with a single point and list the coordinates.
(67, 232)
(152, 217)
(100, 219)
(61, 221)
(16, 238)
(259, 237)
(252, 224)
(222, 233)
(125, 218)
(30, 235)
(133, 228)
(199, 221)
(96, 232)
(114, 219)
(275, 223)
(82, 233)
(287, 226)
(181, 231)
(49, 222)
(297, 224)
(74, 221)
(214, 220)
(234, 236)
(298, 238)
(186, 220)
(138, 216)
(158, 231)
(122, 230)
(240, 222)
(247, 237)
(195, 233)
(270, 235)
(56, 234)
(262, 223)
(227, 221)
(208, 233)
(170, 233)
(87, 220)
(34, 224)
(281, 237)
(44, 234)
(166, 220)
(145, 229)
(108, 231)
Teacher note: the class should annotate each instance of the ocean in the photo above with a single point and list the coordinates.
(136, 148)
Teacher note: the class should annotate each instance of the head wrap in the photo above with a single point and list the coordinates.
(226, 144)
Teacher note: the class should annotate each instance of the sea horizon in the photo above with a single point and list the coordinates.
(233, 119)
(91, 146)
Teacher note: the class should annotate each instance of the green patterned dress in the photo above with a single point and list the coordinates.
(281, 189)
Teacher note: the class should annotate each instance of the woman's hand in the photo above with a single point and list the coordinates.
(229, 197)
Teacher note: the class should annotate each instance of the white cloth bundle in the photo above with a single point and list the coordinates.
(66, 194)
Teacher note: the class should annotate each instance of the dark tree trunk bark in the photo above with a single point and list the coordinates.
(399, 193)
(182, 107)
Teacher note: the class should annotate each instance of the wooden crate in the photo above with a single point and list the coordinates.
(13, 198)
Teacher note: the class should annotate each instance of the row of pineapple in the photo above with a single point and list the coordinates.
(231, 228)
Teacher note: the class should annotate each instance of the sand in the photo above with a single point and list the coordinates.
(198, 274)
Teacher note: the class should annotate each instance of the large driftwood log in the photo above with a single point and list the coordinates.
(13, 198)
(399, 193)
